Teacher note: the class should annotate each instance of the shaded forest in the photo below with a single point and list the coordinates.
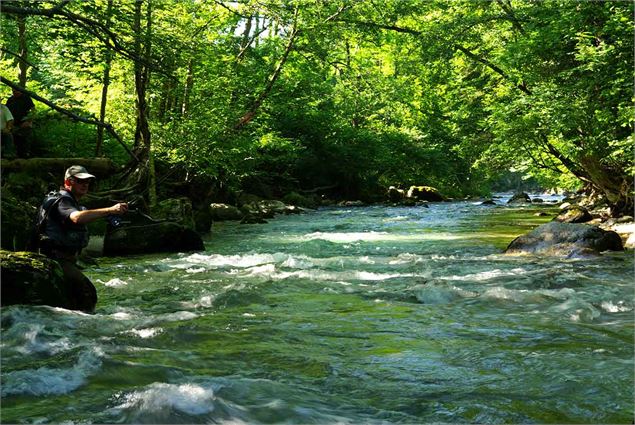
(210, 98)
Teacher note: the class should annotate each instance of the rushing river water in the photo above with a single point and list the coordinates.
(343, 315)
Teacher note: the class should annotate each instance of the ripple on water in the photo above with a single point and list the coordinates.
(49, 381)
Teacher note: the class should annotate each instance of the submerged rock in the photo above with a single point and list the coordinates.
(351, 204)
(566, 239)
(30, 278)
(519, 198)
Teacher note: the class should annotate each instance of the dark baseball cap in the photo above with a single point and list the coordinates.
(77, 171)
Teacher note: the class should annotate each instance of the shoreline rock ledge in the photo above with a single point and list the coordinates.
(566, 239)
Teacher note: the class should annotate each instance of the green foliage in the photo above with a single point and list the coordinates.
(445, 94)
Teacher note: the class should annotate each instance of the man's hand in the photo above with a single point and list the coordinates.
(119, 209)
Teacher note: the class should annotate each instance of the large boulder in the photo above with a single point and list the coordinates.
(574, 214)
(159, 236)
(425, 193)
(566, 239)
(276, 207)
(30, 278)
(224, 212)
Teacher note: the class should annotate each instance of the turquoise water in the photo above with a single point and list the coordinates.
(343, 315)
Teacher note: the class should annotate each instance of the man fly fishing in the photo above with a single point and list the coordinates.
(63, 233)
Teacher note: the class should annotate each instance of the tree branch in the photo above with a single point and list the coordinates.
(98, 29)
(522, 87)
(510, 14)
(20, 58)
(251, 113)
(68, 113)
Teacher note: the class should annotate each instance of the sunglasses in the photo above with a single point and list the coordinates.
(81, 181)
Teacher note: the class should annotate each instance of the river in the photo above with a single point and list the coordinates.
(342, 315)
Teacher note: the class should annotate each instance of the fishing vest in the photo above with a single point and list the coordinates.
(65, 236)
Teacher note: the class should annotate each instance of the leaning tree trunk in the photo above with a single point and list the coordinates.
(615, 184)
(251, 113)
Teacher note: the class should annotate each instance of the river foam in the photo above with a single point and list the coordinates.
(162, 398)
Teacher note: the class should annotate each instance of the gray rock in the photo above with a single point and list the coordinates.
(224, 212)
(566, 239)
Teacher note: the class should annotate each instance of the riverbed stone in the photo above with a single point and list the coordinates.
(31, 278)
(519, 198)
(565, 239)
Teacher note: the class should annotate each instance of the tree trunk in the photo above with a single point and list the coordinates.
(23, 62)
(142, 129)
(142, 145)
(104, 90)
(189, 84)
(152, 192)
(616, 186)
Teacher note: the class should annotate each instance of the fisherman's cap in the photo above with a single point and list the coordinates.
(77, 171)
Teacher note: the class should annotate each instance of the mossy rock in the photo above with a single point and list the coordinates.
(30, 278)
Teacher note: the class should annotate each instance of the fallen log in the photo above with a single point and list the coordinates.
(100, 167)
